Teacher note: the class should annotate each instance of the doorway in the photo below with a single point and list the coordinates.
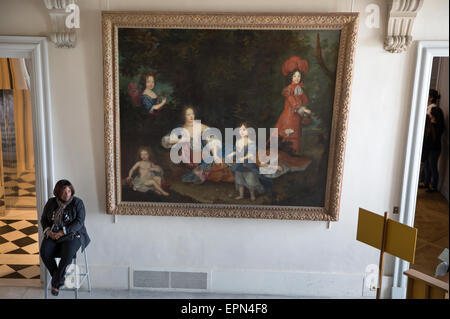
(432, 205)
(426, 51)
(19, 247)
(34, 155)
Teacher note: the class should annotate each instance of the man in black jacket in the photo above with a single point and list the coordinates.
(434, 128)
(64, 232)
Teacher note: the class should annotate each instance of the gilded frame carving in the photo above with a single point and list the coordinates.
(347, 23)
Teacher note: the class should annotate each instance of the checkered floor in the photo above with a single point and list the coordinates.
(20, 191)
(19, 249)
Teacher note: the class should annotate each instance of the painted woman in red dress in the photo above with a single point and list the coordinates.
(295, 112)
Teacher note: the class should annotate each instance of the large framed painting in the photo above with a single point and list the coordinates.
(225, 114)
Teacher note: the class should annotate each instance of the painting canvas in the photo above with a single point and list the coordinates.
(198, 111)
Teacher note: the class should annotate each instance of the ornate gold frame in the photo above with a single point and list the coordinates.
(347, 23)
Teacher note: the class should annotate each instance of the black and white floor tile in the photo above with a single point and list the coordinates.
(19, 249)
(20, 191)
(19, 244)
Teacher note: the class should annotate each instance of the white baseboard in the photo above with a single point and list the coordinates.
(108, 277)
(304, 284)
(288, 283)
(398, 293)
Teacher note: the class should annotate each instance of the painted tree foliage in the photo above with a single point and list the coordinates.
(230, 76)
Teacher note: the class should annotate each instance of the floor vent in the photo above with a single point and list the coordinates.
(169, 279)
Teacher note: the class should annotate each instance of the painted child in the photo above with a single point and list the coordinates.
(247, 174)
(149, 175)
(149, 99)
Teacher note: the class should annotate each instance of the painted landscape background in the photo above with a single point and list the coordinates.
(230, 76)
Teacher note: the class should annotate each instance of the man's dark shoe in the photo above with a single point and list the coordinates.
(431, 190)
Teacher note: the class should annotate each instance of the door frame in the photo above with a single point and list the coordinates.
(36, 49)
(426, 51)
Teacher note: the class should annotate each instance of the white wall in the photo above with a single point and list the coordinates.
(442, 84)
(257, 256)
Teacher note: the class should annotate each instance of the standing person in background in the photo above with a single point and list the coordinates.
(434, 128)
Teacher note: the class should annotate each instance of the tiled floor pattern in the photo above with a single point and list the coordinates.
(20, 191)
(19, 249)
(431, 220)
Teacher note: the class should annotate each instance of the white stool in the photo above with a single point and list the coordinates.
(82, 276)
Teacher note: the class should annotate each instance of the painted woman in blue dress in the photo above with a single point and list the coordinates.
(149, 99)
(203, 171)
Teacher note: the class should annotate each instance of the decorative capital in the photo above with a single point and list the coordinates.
(64, 18)
(400, 23)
